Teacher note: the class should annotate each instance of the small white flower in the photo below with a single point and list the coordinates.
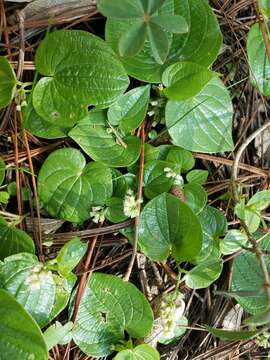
(18, 107)
(151, 113)
(131, 205)
(154, 103)
(178, 180)
(169, 173)
(160, 86)
(97, 214)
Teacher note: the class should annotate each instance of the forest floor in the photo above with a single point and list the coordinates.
(112, 251)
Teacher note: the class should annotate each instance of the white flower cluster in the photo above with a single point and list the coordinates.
(97, 214)
(131, 205)
(37, 276)
(170, 311)
(178, 179)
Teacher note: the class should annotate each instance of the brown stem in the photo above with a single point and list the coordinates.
(255, 246)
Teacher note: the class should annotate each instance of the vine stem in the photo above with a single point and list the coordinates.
(139, 198)
(255, 247)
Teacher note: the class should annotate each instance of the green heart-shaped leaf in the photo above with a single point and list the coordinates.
(258, 60)
(202, 123)
(13, 240)
(197, 176)
(214, 225)
(68, 188)
(70, 255)
(93, 136)
(204, 274)
(56, 333)
(41, 293)
(183, 158)
(195, 196)
(40, 127)
(203, 41)
(247, 278)
(21, 338)
(232, 242)
(81, 70)
(115, 210)
(108, 308)
(185, 80)
(8, 82)
(167, 225)
(155, 180)
(129, 110)
(140, 352)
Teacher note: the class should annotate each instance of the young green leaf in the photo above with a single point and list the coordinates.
(233, 241)
(197, 176)
(204, 274)
(115, 210)
(250, 212)
(57, 333)
(195, 196)
(156, 179)
(185, 80)
(116, 307)
(132, 41)
(8, 82)
(93, 136)
(13, 240)
(142, 66)
(183, 158)
(121, 8)
(264, 6)
(20, 336)
(203, 41)
(81, 70)
(2, 171)
(171, 23)
(68, 187)
(159, 42)
(4, 197)
(41, 293)
(156, 152)
(129, 110)
(70, 255)
(258, 60)
(140, 352)
(232, 335)
(248, 281)
(202, 123)
(120, 183)
(214, 225)
(167, 226)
